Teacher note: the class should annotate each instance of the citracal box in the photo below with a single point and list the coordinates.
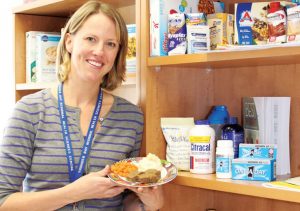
(254, 169)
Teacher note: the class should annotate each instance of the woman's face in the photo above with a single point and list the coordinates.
(93, 49)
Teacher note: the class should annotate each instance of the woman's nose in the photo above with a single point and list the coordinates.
(99, 48)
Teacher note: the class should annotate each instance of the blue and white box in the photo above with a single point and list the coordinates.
(258, 151)
(254, 169)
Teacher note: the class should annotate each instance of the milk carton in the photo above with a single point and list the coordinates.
(254, 169)
(159, 11)
(46, 56)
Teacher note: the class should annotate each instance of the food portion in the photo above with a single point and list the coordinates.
(145, 170)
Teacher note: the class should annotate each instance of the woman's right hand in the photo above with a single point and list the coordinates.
(94, 185)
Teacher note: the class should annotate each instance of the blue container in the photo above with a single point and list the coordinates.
(217, 119)
(235, 132)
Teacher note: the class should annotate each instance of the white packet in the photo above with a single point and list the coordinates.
(176, 132)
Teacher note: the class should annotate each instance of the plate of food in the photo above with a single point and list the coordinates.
(142, 171)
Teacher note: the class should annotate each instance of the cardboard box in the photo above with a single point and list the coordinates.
(46, 57)
(31, 54)
(251, 26)
(159, 11)
(293, 24)
(258, 151)
(224, 31)
(254, 169)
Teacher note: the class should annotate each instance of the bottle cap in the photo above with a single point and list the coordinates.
(224, 143)
(201, 122)
(274, 6)
(219, 115)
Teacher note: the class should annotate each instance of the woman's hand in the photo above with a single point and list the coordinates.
(94, 185)
(152, 197)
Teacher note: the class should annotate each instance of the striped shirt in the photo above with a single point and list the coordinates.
(32, 151)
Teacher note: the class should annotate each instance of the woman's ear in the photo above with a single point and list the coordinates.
(68, 42)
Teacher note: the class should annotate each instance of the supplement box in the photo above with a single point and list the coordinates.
(258, 151)
(177, 43)
(159, 11)
(293, 24)
(46, 47)
(254, 169)
(197, 33)
(224, 27)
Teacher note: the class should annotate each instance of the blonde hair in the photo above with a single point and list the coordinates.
(63, 63)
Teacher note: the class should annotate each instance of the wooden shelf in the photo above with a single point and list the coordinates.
(250, 188)
(58, 7)
(232, 58)
(39, 86)
(33, 86)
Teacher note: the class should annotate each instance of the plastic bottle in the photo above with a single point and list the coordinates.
(235, 132)
(202, 154)
(218, 118)
(224, 156)
(277, 23)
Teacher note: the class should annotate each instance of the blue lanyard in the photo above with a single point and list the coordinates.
(74, 174)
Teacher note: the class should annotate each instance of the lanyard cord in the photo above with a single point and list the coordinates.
(74, 174)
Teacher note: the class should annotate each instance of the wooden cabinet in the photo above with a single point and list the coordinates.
(189, 85)
(51, 15)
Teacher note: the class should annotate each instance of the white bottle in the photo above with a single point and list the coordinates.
(224, 156)
(202, 154)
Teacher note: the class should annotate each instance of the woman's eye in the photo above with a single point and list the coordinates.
(111, 44)
(91, 39)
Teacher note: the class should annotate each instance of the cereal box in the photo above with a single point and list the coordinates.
(46, 56)
(159, 11)
(31, 55)
(254, 169)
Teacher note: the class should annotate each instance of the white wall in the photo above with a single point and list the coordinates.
(7, 95)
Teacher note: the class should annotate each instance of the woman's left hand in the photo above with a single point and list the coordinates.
(151, 197)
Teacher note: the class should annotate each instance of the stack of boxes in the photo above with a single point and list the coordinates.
(255, 162)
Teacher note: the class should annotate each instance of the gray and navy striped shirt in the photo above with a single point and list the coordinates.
(32, 152)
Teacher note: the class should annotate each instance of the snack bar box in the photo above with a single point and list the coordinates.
(251, 26)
